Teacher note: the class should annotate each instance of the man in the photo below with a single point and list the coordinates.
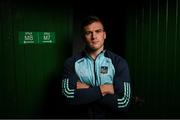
(96, 78)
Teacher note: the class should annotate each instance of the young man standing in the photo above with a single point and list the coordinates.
(96, 78)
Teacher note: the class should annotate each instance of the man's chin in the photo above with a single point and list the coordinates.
(94, 48)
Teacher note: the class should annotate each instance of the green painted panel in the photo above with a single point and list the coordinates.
(152, 53)
(28, 71)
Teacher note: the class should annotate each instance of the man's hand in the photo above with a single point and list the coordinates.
(107, 89)
(80, 85)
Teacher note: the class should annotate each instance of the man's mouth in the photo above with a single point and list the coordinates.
(95, 42)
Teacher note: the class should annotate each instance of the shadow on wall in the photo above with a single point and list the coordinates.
(54, 105)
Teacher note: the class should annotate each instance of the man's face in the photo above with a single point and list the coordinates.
(94, 36)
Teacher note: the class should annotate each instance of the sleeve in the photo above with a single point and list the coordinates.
(120, 101)
(76, 96)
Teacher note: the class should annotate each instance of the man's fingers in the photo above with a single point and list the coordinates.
(80, 85)
(107, 89)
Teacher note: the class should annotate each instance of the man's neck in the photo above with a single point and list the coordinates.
(95, 53)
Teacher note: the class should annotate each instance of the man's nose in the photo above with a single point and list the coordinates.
(94, 35)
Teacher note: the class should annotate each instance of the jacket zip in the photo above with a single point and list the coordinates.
(95, 76)
(95, 73)
(94, 61)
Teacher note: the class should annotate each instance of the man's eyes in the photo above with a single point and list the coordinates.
(88, 33)
(96, 31)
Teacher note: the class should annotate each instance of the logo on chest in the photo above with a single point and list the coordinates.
(104, 69)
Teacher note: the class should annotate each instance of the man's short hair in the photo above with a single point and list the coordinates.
(90, 19)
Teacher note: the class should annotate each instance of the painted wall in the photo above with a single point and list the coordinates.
(152, 40)
(29, 73)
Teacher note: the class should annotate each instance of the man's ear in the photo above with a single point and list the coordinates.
(104, 35)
